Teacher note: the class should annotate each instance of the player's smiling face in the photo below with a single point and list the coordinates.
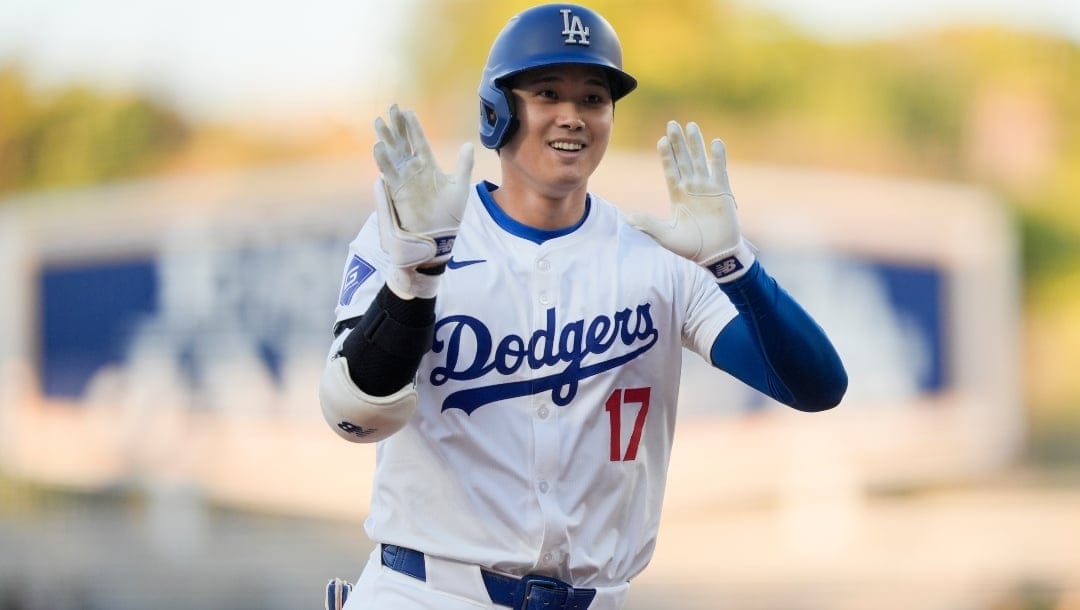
(564, 125)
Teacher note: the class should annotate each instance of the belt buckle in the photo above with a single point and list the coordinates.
(552, 586)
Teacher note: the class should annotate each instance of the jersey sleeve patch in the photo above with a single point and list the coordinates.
(359, 271)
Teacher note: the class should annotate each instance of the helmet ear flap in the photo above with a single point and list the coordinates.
(512, 124)
(498, 118)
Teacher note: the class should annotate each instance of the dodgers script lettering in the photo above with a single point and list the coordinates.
(582, 346)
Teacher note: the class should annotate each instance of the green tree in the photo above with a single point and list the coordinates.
(77, 135)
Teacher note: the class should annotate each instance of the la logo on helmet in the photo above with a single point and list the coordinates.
(575, 31)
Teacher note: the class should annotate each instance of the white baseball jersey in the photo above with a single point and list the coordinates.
(547, 402)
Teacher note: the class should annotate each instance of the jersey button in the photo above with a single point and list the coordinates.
(546, 558)
(542, 412)
(543, 265)
(544, 487)
(544, 298)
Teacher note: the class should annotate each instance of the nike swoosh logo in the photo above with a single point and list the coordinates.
(453, 264)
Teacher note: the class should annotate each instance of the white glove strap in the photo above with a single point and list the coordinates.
(730, 265)
(408, 283)
(408, 250)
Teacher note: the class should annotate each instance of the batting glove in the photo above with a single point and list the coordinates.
(704, 226)
(419, 208)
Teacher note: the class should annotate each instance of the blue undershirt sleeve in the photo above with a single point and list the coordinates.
(775, 347)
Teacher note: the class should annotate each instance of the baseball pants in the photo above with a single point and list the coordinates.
(449, 585)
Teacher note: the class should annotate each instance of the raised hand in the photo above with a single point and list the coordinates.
(418, 206)
(704, 226)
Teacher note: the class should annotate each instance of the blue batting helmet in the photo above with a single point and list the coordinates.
(541, 36)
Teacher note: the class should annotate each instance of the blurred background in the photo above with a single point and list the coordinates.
(179, 182)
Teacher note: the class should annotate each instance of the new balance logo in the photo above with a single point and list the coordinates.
(444, 244)
(357, 431)
(455, 264)
(725, 267)
(575, 31)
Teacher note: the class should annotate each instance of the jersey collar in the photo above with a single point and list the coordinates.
(537, 236)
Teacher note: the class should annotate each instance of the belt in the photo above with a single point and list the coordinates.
(526, 593)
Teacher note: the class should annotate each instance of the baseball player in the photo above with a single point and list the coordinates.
(514, 348)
